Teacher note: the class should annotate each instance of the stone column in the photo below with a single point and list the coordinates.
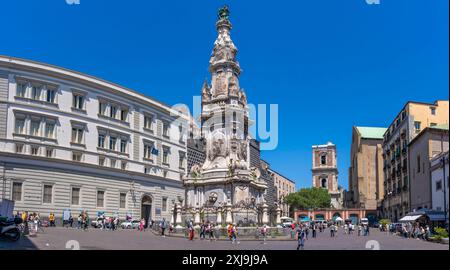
(278, 219)
(219, 216)
(178, 216)
(265, 217)
(228, 217)
(197, 218)
(172, 214)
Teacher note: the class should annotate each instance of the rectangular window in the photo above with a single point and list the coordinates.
(34, 150)
(102, 108)
(113, 163)
(403, 115)
(180, 129)
(78, 101)
(433, 124)
(77, 135)
(417, 126)
(124, 165)
(47, 194)
(433, 110)
(35, 92)
(165, 129)
(17, 191)
(323, 159)
(101, 141)
(20, 126)
(50, 130)
(148, 151)
(123, 146)
(112, 143)
(101, 161)
(34, 127)
(50, 96)
(49, 152)
(75, 196)
(113, 111)
(123, 114)
(164, 204)
(19, 148)
(148, 122)
(100, 198)
(438, 185)
(21, 89)
(77, 156)
(165, 156)
(123, 200)
(181, 160)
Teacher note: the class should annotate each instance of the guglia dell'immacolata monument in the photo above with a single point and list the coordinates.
(224, 189)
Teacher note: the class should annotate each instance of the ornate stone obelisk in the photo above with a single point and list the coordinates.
(225, 179)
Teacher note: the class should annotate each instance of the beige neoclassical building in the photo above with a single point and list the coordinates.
(366, 178)
(72, 141)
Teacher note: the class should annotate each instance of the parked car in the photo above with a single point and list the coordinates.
(130, 224)
(364, 221)
(286, 222)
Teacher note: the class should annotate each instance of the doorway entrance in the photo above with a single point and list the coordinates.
(146, 209)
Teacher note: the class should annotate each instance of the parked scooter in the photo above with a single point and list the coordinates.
(9, 229)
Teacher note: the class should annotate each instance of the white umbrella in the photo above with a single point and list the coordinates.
(338, 219)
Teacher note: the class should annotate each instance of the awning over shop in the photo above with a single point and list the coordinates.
(436, 217)
(410, 218)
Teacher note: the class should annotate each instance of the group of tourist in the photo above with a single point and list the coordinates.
(108, 223)
(416, 231)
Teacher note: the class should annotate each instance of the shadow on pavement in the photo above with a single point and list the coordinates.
(24, 243)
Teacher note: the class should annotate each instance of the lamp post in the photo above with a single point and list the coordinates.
(133, 197)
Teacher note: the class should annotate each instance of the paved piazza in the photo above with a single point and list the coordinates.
(56, 238)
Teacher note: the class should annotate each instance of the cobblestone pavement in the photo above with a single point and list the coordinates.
(95, 239)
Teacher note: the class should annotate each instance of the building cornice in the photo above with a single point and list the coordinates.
(78, 77)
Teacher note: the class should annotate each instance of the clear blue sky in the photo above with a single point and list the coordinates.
(328, 64)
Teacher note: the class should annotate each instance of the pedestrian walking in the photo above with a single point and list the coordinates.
(234, 234)
(301, 235)
(163, 227)
(264, 233)
(51, 219)
(332, 228)
(202, 231)
(191, 230)
(314, 230)
(211, 231)
(359, 230)
(141, 225)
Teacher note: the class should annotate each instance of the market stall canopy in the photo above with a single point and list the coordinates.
(410, 218)
(431, 214)
(338, 219)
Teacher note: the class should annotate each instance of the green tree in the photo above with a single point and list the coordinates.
(309, 198)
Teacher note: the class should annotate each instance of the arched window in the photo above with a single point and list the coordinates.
(324, 183)
(323, 159)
